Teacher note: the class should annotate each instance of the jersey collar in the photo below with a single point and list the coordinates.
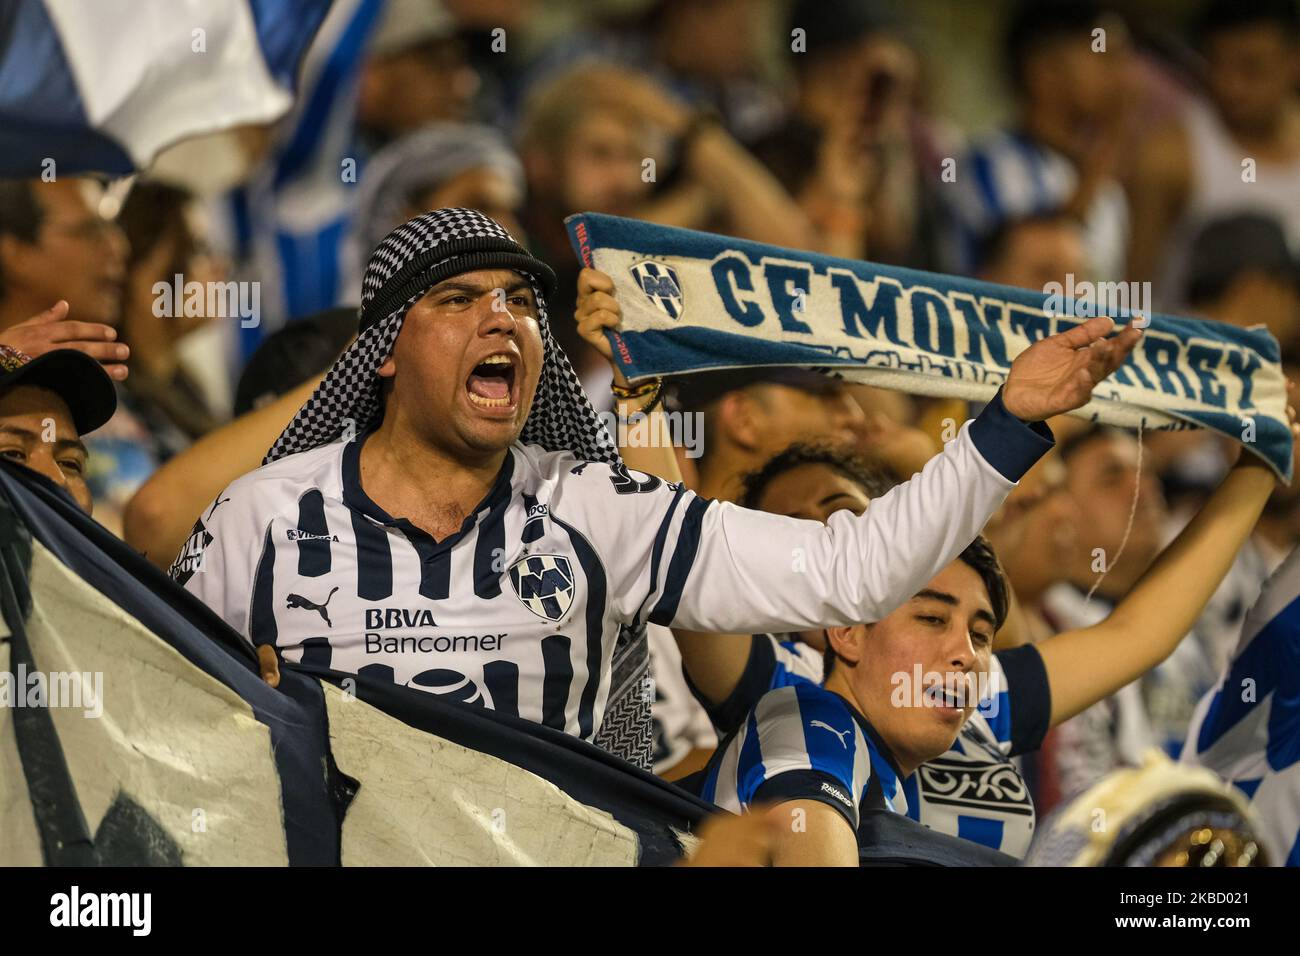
(355, 498)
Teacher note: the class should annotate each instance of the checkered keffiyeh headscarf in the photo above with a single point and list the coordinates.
(414, 257)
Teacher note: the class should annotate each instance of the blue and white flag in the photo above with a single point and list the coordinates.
(1247, 730)
(104, 86)
(289, 222)
(694, 302)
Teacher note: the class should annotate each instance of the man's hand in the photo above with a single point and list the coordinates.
(1057, 374)
(50, 330)
(268, 665)
(735, 841)
(596, 311)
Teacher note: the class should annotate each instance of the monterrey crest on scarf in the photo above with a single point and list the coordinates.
(412, 259)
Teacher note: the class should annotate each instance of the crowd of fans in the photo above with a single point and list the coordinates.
(1135, 151)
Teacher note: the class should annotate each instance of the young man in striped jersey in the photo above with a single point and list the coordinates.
(451, 480)
(906, 755)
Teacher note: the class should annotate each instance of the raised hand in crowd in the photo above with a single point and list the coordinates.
(52, 329)
(725, 182)
(1057, 374)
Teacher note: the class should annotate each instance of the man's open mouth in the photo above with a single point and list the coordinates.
(492, 382)
(946, 698)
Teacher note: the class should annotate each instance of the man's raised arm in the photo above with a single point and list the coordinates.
(725, 568)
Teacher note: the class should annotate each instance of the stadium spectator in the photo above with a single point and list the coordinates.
(416, 72)
(742, 433)
(1031, 252)
(281, 375)
(55, 244)
(463, 165)
(602, 138)
(1244, 273)
(47, 404)
(437, 392)
(1102, 480)
(1237, 152)
(855, 150)
(709, 54)
(747, 416)
(1073, 100)
(162, 227)
(1037, 687)
(300, 352)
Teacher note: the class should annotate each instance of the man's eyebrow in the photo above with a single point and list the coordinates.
(76, 444)
(457, 285)
(61, 443)
(943, 597)
(460, 285)
(832, 496)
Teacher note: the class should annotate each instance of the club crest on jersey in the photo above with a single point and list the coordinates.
(544, 584)
(661, 286)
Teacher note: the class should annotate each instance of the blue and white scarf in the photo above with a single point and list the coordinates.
(693, 302)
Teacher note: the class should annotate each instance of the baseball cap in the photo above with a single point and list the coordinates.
(74, 376)
(697, 390)
(1232, 245)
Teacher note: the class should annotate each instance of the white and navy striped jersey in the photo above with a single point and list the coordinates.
(803, 742)
(520, 609)
(972, 791)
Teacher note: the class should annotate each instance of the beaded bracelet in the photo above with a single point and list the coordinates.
(653, 387)
(12, 358)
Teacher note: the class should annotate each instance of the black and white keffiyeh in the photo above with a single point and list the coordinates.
(412, 259)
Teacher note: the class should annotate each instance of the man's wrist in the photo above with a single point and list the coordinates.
(1011, 445)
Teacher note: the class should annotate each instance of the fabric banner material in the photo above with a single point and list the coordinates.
(693, 302)
(135, 730)
(104, 86)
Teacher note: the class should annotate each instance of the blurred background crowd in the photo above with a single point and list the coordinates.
(1146, 140)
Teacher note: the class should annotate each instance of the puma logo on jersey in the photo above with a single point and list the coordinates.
(298, 601)
(841, 734)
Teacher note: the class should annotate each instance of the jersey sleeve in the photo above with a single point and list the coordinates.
(719, 567)
(1018, 707)
(218, 563)
(771, 664)
(801, 743)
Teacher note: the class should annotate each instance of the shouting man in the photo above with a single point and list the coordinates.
(451, 480)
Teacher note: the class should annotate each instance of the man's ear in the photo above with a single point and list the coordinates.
(738, 420)
(848, 642)
(388, 369)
